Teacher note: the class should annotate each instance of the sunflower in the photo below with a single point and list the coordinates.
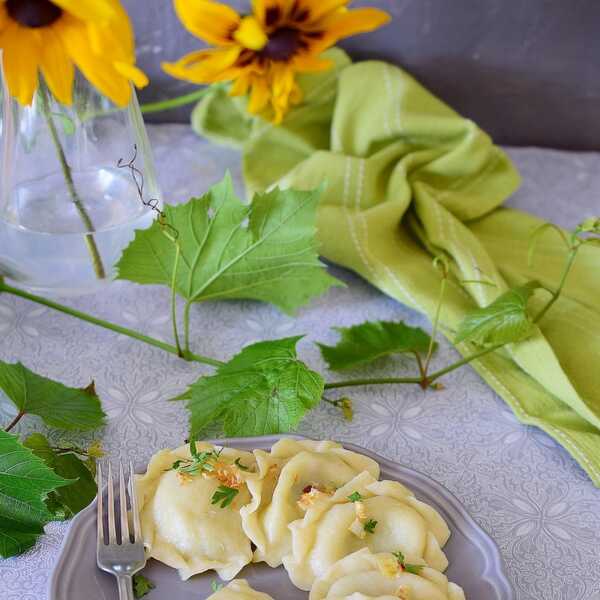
(261, 53)
(52, 37)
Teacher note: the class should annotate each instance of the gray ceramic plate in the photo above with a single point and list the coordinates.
(475, 562)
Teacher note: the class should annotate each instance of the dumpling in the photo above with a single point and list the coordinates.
(291, 471)
(190, 515)
(239, 589)
(358, 596)
(383, 516)
(364, 575)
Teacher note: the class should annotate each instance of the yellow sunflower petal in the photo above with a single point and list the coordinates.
(278, 114)
(20, 68)
(250, 34)
(346, 23)
(113, 38)
(132, 73)
(307, 63)
(212, 21)
(296, 94)
(240, 86)
(242, 83)
(100, 72)
(259, 97)
(87, 10)
(283, 89)
(56, 66)
(4, 18)
(310, 11)
(203, 66)
(282, 79)
(250, 71)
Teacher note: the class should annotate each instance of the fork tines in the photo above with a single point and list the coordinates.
(127, 533)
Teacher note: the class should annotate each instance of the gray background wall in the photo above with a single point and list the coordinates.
(527, 71)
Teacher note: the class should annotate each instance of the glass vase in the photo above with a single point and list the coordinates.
(67, 209)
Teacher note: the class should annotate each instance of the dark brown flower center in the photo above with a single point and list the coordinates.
(33, 13)
(282, 44)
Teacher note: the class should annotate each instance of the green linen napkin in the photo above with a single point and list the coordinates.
(407, 177)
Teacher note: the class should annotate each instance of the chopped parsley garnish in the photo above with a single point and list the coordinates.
(370, 525)
(224, 496)
(237, 463)
(355, 497)
(215, 585)
(414, 569)
(141, 585)
(200, 461)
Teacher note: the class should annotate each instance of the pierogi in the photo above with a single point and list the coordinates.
(238, 589)
(294, 470)
(383, 516)
(191, 518)
(364, 575)
(312, 505)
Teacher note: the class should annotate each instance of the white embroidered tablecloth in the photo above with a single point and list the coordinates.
(522, 487)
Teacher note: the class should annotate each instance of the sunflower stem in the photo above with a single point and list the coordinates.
(153, 107)
(90, 242)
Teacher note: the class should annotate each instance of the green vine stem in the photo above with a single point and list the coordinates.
(436, 321)
(90, 242)
(418, 380)
(379, 381)
(561, 284)
(4, 287)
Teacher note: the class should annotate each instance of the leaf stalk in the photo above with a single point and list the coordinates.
(186, 325)
(14, 422)
(174, 302)
(436, 322)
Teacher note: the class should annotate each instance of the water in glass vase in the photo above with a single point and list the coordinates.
(43, 237)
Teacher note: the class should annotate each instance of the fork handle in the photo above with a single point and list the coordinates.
(125, 587)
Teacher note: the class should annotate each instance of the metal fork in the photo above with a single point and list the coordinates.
(122, 556)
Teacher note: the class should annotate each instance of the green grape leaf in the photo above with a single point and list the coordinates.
(40, 446)
(25, 482)
(503, 321)
(68, 500)
(141, 585)
(371, 340)
(263, 389)
(58, 405)
(265, 251)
